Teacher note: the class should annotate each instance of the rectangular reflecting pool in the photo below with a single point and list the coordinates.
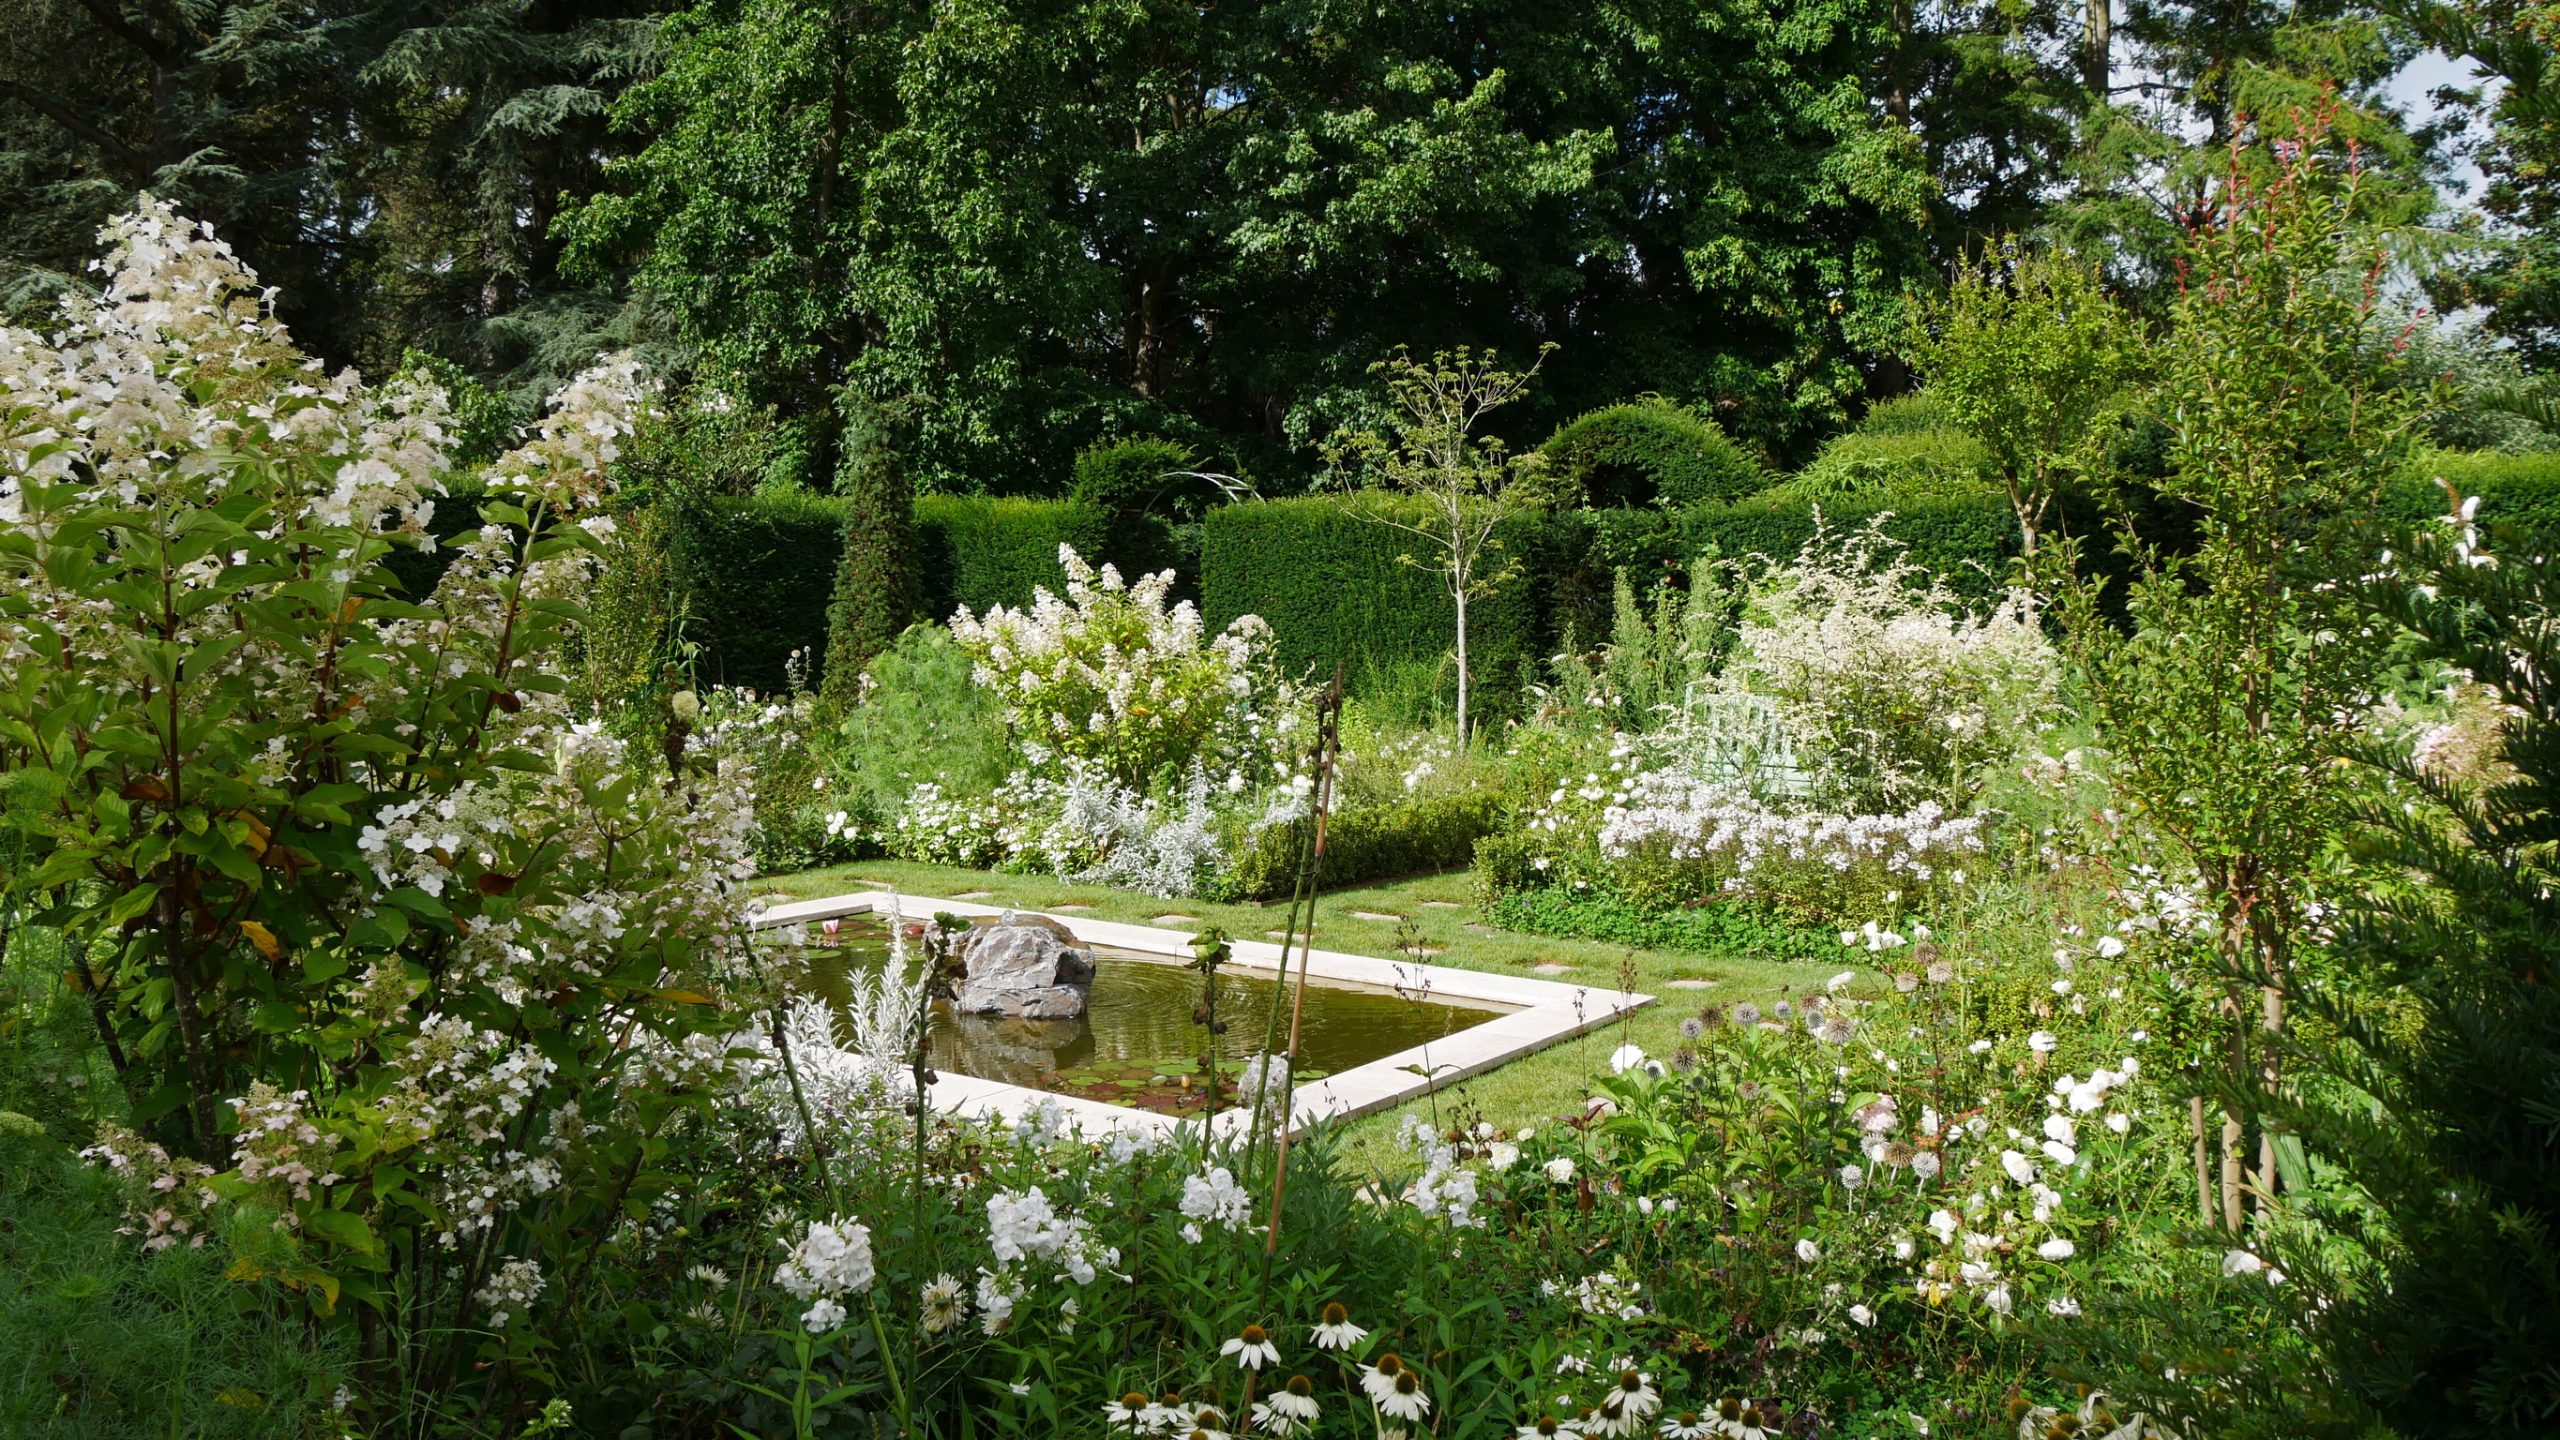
(1138, 1042)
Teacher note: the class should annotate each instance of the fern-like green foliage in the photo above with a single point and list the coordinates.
(2452, 1123)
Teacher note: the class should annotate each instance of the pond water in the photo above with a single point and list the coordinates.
(1137, 1042)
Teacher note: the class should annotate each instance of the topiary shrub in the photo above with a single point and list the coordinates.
(877, 591)
(1881, 466)
(1132, 477)
(1651, 452)
(1918, 413)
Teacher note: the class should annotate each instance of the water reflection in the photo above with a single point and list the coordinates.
(1139, 1020)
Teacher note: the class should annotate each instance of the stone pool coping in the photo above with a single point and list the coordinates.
(1538, 1014)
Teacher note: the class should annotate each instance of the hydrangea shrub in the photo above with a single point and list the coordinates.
(388, 946)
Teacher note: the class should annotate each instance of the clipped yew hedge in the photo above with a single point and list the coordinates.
(760, 569)
(1333, 588)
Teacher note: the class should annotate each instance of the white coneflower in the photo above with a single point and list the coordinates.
(1688, 1425)
(1334, 1330)
(1405, 1400)
(1252, 1348)
(1208, 1417)
(1750, 1425)
(1133, 1410)
(944, 1303)
(1165, 1412)
(1291, 1407)
(1379, 1381)
(1635, 1394)
(1545, 1427)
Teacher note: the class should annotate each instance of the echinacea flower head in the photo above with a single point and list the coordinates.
(1688, 1425)
(1405, 1401)
(1545, 1427)
(1636, 1393)
(1295, 1401)
(1252, 1348)
(1752, 1424)
(1334, 1330)
(1131, 1410)
(1379, 1381)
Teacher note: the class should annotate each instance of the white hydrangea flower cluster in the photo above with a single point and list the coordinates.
(1113, 674)
(511, 1290)
(277, 1144)
(176, 1200)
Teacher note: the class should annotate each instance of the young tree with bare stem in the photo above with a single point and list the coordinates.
(1466, 484)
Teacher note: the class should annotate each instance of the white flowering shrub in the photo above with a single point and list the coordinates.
(1895, 692)
(1642, 825)
(1115, 675)
(358, 895)
(769, 740)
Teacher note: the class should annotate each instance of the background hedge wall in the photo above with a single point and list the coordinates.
(760, 568)
(1331, 586)
(2518, 490)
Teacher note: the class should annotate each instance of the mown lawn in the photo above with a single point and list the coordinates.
(1531, 1090)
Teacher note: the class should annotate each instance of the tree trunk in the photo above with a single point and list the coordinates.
(2097, 59)
(1458, 592)
(2270, 1072)
(2204, 1163)
(182, 1004)
(2233, 1139)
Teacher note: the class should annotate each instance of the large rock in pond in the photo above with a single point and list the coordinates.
(1027, 967)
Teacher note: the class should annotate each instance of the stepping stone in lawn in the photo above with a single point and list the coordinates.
(1070, 905)
(1175, 920)
(1277, 934)
(875, 883)
(975, 895)
(1472, 928)
(1378, 915)
(1688, 984)
(1442, 905)
(1549, 967)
